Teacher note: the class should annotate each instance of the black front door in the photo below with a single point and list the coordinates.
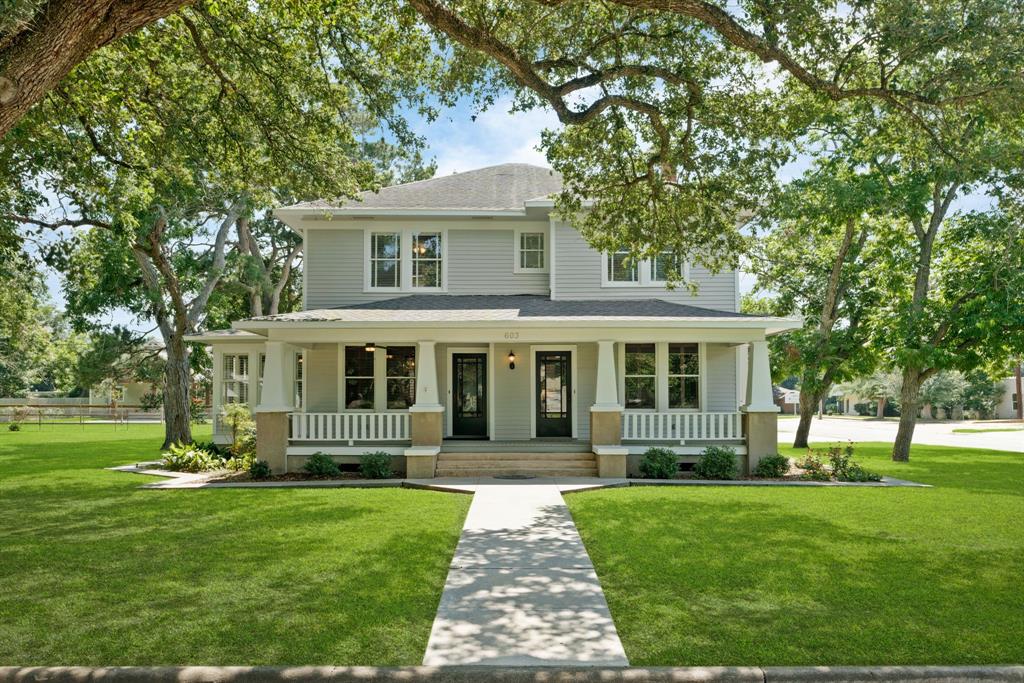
(554, 393)
(469, 394)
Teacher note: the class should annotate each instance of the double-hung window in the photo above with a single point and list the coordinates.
(386, 260)
(400, 377)
(662, 376)
(619, 270)
(358, 378)
(683, 376)
(405, 260)
(381, 379)
(299, 380)
(235, 384)
(640, 377)
(530, 252)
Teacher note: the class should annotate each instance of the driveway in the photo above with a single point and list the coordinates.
(930, 433)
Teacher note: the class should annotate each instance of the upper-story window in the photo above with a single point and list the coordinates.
(406, 260)
(531, 252)
(619, 270)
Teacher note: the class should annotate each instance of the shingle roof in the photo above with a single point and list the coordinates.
(494, 188)
(447, 307)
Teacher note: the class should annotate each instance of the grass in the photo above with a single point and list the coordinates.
(983, 431)
(98, 572)
(807, 576)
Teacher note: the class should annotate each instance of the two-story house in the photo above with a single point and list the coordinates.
(458, 324)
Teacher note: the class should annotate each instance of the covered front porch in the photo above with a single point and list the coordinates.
(608, 391)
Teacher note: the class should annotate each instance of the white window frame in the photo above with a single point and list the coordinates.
(299, 380)
(700, 379)
(517, 249)
(406, 236)
(655, 376)
(645, 273)
(661, 379)
(380, 378)
(236, 378)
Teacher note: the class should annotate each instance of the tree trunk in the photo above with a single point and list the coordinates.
(908, 414)
(62, 34)
(880, 413)
(803, 429)
(177, 398)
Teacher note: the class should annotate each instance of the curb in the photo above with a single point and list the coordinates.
(508, 674)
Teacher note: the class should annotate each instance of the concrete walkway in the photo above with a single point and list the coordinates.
(521, 589)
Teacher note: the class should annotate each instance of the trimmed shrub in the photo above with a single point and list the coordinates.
(14, 427)
(190, 458)
(772, 467)
(376, 465)
(659, 463)
(716, 462)
(259, 469)
(321, 465)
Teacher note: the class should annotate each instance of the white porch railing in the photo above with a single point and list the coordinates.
(350, 427)
(681, 427)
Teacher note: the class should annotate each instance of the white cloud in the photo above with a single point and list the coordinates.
(459, 143)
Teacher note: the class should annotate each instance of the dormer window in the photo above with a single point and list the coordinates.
(530, 252)
(619, 270)
(406, 260)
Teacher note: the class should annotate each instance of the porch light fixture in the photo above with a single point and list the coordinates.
(511, 360)
(370, 347)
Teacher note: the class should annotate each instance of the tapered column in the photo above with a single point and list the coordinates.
(606, 416)
(275, 404)
(760, 419)
(427, 412)
(607, 397)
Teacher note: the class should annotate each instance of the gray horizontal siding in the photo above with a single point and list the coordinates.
(479, 262)
(721, 378)
(578, 276)
(321, 370)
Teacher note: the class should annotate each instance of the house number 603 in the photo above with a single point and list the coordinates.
(511, 336)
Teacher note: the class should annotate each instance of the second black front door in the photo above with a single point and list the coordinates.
(469, 394)
(554, 393)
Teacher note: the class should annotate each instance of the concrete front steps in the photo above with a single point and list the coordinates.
(516, 464)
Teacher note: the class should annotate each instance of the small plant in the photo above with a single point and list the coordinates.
(814, 469)
(376, 465)
(243, 429)
(321, 465)
(840, 459)
(151, 400)
(857, 473)
(772, 467)
(239, 462)
(259, 469)
(716, 462)
(659, 463)
(197, 410)
(189, 458)
(14, 427)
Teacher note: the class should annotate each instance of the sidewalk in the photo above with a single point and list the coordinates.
(521, 589)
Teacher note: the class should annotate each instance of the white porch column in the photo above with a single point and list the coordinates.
(427, 400)
(607, 398)
(759, 380)
(277, 379)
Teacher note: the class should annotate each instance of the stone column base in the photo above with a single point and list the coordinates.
(605, 427)
(427, 427)
(762, 435)
(272, 440)
(420, 463)
(611, 461)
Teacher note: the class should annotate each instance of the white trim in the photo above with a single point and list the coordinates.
(305, 269)
(552, 229)
(380, 376)
(491, 412)
(534, 348)
(452, 350)
(645, 274)
(404, 259)
(517, 246)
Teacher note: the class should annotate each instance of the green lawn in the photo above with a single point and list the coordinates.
(966, 430)
(96, 571)
(803, 576)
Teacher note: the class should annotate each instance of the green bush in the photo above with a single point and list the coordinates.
(259, 469)
(14, 427)
(238, 417)
(857, 473)
(659, 463)
(716, 462)
(321, 465)
(813, 468)
(190, 458)
(772, 467)
(376, 465)
(840, 459)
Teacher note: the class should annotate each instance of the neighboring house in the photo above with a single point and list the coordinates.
(1007, 408)
(788, 400)
(126, 393)
(460, 308)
